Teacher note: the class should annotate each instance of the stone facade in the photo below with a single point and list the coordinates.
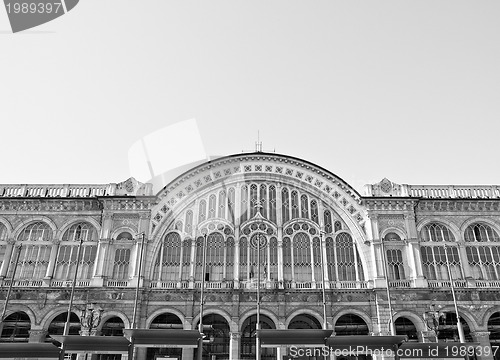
(315, 231)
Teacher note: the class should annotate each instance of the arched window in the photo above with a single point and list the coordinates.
(214, 269)
(229, 258)
(35, 253)
(395, 265)
(304, 321)
(247, 351)
(348, 262)
(285, 205)
(217, 334)
(212, 203)
(327, 215)
(186, 259)
(302, 257)
(113, 327)
(16, 327)
(314, 211)
(56, 327)
(447, 328)
(3, 245)
(231, 205)
(253, 200)
(244, 259)
(165, 321)
(304, 207)
(406, 327)
(272, 203)
(331, 256)
(350, 324)
(295, 205)
(338, 226)
(436, 232)
(287, 259)
(202, 213)
(434, 262)
(167, 263)
(273, 259)
(263, 199)
(222, 204)
(481, 233)
(482, 254)
(189, 222)
(68, 252)
(244, 203)
(3, 232)
(257, 268)
(121, 264)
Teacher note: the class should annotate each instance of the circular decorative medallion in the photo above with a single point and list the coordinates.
(258, 238)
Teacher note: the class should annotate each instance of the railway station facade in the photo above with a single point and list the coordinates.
(317, 236)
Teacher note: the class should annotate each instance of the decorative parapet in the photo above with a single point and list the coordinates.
(387, 188)
(129, 187)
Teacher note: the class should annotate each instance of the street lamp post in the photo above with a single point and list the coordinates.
(389, 302)
(257, 326)
(136, 302)
(67, 324)
(202, 300)
(460, 329)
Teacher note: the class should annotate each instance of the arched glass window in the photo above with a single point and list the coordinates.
(244, 259)
(434, 262)
(113, 327)
(273, 259)
(254, 200)
(121, 264)
(35, 253)
(229, 258)
(285, 205)
(186, 259)
(331, 263)
(327, 215)
(217, 334)
(68, 252)
(244, 203)
(215, 257)
(447, 328)
(212, 203)
(167, 263)
(3, 232)
(231, 205)
(287, 259)
(165, 321)
(3, 244)
(202, 213)
(483, 249)
(263, 200)
(350, 324)
(56, 326)
(304, 207)
(406, 327)
(222, 204)
(494, 330)
(480, 233)
(338, 226)
(16, 327)
(295, 205)
(189, 222)
(395, 265)
(272, 203)
(314, 211)
(302, 257)
(349, 267)
(436, 232)
(247, 350)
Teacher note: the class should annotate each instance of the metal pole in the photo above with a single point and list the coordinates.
(257, 326)
(323, 281)
(66, 325)
(460, 329)
(6, 303)
(202, 300)
(136, 302)
(389, 302)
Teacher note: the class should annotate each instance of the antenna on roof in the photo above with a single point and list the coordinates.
(258, 145)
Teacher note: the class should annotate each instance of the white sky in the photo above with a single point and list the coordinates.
(408, 90)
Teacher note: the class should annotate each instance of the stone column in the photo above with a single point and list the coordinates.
(101, 262)
(37, 335)
(52, 261)
(483, 338)
(234, 345)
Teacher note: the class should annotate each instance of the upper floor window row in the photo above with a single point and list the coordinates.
(40, 231)
(477, 232)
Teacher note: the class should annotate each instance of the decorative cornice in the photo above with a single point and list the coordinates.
(458, 205)
(389, 204)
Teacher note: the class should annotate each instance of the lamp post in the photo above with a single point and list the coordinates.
(257, 325)
(67, 324)
(323, 280)
(10, 288)
(136, 302)
(389, 302)
(202, 300)
(460, 329)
